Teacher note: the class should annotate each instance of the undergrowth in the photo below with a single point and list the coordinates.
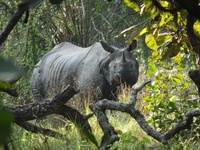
(131, 135)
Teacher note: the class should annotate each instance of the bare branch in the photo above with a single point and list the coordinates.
(185, 124)
(35, 129)
(23, 113)
(100, 107)
(134, 92)
(40, 109)
(11, 24)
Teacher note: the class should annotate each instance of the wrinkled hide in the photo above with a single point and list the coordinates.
(95, 70)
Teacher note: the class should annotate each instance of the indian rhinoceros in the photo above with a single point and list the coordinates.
(96, 70)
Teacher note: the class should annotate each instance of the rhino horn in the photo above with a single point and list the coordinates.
(107, 47)
(123, 60)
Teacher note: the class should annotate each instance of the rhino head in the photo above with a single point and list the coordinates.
(120, 66)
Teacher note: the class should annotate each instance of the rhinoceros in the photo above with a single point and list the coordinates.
(97, 70)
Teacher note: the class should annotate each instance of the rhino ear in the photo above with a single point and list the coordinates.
(132, 45)
(107, 47)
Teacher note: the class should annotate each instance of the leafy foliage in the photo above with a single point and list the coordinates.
(164, 32)
(168, 97)
(162, 35)
(6, 120)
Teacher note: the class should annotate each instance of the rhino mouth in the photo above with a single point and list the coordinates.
(127, 79)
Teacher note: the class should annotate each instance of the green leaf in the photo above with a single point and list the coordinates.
(170, 48)
(145, 140)
(90, 136)
(163, 38)
(9, 73)
(6, 120)
(155, 56)
(151, 42)
(179, 76)
(148, 99)
(165, 19)
(152, 67)
(196, 27)
(5, 85)
(132, 4)
(98, 7)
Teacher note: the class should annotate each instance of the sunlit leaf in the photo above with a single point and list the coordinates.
(151, 42)
(165, 19)
(152, 67)
(154, 57)
(148, 99)
(178, 81)
(150, 8)
(196, 27)
(178, 58)
(180, 76)
(184, 86)
(132, 4)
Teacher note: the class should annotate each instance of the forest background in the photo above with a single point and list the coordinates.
(164, 52)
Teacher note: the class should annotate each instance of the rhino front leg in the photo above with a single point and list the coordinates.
(38, 95)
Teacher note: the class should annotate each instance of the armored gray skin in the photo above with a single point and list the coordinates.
(96, 71)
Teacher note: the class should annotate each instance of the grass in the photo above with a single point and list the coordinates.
(131, 137)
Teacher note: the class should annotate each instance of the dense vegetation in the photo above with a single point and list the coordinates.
(165, 54)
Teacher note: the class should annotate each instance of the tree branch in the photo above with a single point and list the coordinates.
(35, 129)
(23, 113)
(11, 24)
(100, 107)
(40, 109)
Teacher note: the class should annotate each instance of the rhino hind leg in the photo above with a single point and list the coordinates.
(36, 88)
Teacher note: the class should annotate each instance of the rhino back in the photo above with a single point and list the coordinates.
(89, 77)
(56, 69)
